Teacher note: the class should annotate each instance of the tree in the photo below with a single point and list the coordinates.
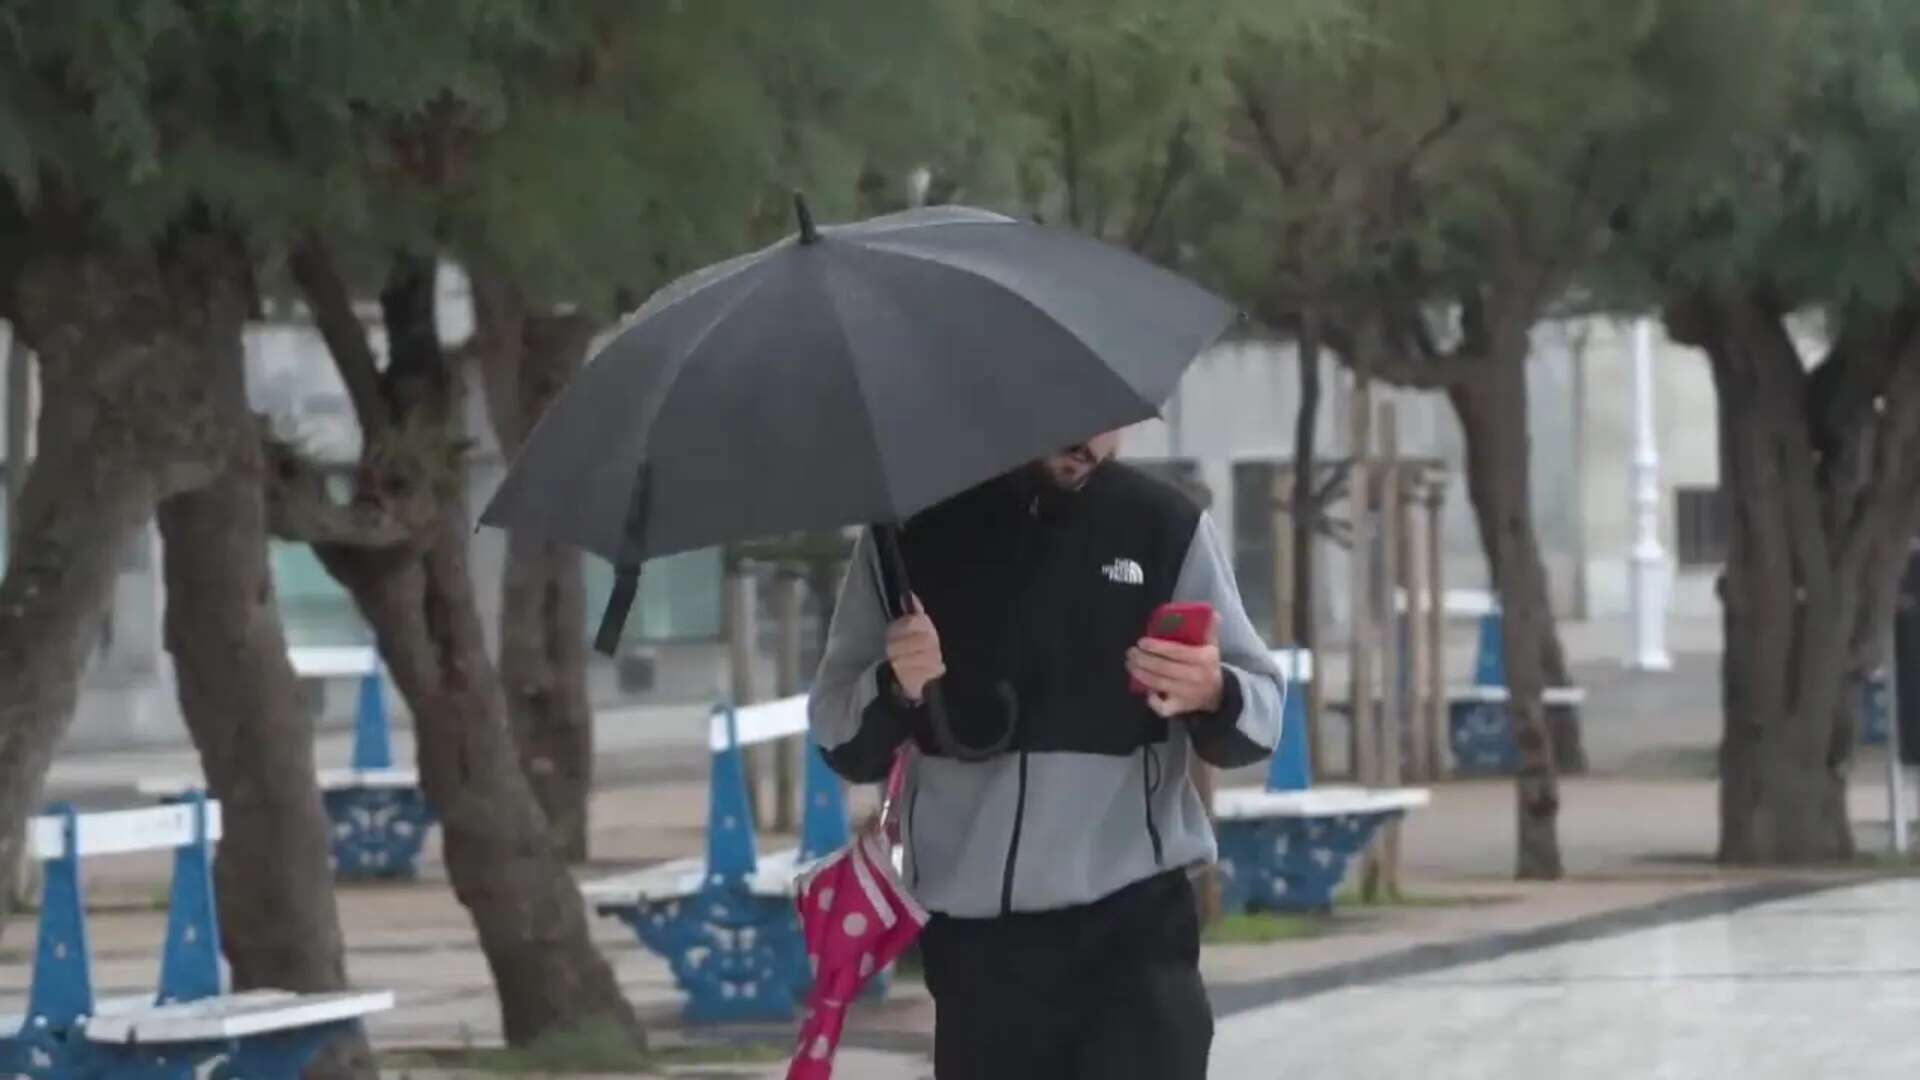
(525, 359)
(1803, 231)
(1460, 165)
(122, 264)
(400, 550)
(629, 98)
(684, 138)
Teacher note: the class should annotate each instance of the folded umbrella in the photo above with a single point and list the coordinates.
(856, 916)
(852, 374)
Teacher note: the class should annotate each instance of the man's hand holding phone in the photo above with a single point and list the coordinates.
(1177, 664)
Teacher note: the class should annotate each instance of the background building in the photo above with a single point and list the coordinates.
(1232, 419)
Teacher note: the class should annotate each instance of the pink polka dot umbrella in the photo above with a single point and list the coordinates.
(857, 916)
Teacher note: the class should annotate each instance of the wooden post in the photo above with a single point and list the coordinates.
(26, 878)
(789, 596)
(1206, 876)
(1393, 687)
(19, 430)
(1279, 494)
(1436, 627)
(1366, 759)
(742, 638)
(1413, 570)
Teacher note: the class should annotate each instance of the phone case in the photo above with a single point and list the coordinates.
(1187, 624)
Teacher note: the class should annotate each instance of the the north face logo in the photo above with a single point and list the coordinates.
(1124, 572)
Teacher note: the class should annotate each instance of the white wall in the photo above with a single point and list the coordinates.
(1239, 402)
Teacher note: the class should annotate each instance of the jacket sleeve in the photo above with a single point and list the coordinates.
(1246, 726)
(853, 716)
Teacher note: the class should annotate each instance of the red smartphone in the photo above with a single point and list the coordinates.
(1186, 624)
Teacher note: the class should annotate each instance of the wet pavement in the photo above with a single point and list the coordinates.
(1823, 983)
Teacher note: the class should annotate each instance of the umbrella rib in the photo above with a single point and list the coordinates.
(676, 363)
(688, 286)
(679, 363)
(860, 388)
(889, 252)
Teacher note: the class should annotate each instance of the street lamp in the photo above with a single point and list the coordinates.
(1647, 566)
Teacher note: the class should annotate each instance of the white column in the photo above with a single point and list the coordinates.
(1647, 567)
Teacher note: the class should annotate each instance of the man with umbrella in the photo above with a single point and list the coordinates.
(1065, 939)
(866, 373)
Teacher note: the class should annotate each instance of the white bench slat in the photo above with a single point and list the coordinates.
(1551, 695)
(1295, 664)
(117, 832)
(10, 1023)
(333, 661)
(774, 875)
(1231, 804)
(235, 1016)
(171, 787)
(392, 777)
(760, 723)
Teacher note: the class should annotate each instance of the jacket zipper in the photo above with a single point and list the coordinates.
(1013, 844)
(913, 818)
(1149, 759)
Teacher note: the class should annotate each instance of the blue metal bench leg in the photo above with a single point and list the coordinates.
(282, 1055)
(377, 832)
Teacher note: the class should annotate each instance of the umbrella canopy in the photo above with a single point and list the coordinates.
(850, 374)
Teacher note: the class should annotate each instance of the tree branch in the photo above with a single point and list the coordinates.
(497, 347)
(1256, 113)
(300, 507)
(1178, 159)
(1409, 359)
(318, 275)
(1883, 498)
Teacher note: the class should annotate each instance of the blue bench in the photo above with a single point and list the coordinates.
(1286, 847)
(190, 1026)
(380, 816)
(1479, 724)
(726, 923)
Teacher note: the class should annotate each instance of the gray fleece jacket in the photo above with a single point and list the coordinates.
(1040, 597)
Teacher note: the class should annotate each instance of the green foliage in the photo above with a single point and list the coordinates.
(1263, 929)
(1099, 116)
(141, 110)
(1445, 150)
(579, 147)
(1814, 203)
(695, 127)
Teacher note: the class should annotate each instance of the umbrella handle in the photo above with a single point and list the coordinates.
(896, 592)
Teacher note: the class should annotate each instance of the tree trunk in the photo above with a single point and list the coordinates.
(790, 599)
(123, 347)
(543, 650)
(279, 924)
(1492, 407)
(1786, 617)
(1569, 748)
(418, 596)
(500, 856)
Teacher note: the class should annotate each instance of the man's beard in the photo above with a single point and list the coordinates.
(1082, 456)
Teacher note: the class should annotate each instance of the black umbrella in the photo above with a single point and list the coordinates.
(849, 374)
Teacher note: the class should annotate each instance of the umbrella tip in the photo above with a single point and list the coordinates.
(804, 214)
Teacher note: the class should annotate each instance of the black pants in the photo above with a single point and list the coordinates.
(1107, 991)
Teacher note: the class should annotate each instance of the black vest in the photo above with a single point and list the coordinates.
(1037, 595)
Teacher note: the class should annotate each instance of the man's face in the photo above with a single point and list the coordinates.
(1069, 468)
